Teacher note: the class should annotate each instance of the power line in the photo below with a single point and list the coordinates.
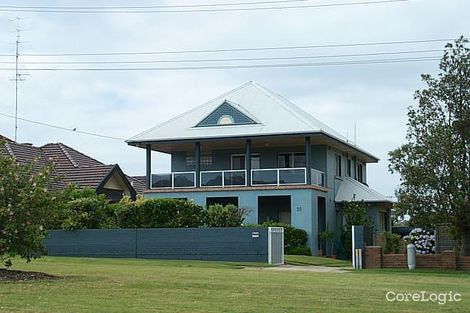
(74, 130)
(241, 66)
(203, 10)
(232, 59)
(244, 49)
(152, 6)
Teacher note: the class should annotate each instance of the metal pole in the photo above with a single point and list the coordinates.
(248, 162)
(197, 157)
(16, 77)
(148, 170)
(308, 160)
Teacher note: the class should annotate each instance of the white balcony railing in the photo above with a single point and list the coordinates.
(223, 178)
(174, 180)
(279, 176)
(318, 178)
(238, 178)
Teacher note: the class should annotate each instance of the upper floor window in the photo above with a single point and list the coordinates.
(349, 167)
(205, 160)
(338, 170)
(291, 159)
(360, 175)
(226, 114)
(225, 120)
(238, 161)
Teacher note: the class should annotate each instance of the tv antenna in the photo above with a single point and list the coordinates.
(18, 75)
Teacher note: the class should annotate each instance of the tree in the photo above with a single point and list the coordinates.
(24, 201)
(434, 164)
(354, 213)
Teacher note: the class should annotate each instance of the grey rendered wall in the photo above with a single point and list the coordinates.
(221, 244)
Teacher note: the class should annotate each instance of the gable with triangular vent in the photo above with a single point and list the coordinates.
(224, 115)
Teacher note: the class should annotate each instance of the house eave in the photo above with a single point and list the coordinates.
(370, 158)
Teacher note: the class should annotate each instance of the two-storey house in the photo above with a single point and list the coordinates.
(257, 150)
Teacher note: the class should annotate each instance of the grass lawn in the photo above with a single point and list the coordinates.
(312, 260)
(125, 285)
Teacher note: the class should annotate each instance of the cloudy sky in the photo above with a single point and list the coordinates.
(124, 103)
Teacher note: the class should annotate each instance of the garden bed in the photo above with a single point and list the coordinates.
(11, 275)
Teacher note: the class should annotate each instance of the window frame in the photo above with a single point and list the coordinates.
(256, 155)
(292, 158)
(338, 165)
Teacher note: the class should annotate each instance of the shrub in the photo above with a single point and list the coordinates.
(299, 250)
(393, 243)
(224, 216)
(81, 209)
(23, 209)
(161, 213)
(423, 240)
(295, 239)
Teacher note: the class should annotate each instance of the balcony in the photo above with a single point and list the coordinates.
(279, 176)
(238, 178)
(228, 178)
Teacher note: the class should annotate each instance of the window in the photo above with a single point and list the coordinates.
(222, 201)
(383, 221)
(291, 159)
(349, 168)
(360, 176)
(225, 120)
(338, 171)
(238, 161)
(205, 160)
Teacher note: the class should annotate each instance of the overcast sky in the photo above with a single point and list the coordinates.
(124, 103)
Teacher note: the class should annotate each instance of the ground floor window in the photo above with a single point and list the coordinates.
(274, 208)
(222, 201)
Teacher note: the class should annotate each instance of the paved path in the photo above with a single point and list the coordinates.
(296, 268)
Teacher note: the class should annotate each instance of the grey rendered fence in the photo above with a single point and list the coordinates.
(240, 244)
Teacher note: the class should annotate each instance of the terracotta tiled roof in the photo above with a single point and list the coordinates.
(87, 176)
(65, 157)
(70, 166)
(138, 182)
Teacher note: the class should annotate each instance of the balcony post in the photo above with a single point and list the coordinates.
(148, 166)
(308, 159)
(197, 160)
(248, 162)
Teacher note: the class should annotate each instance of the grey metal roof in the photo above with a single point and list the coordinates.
(273, 114)
(351, 190)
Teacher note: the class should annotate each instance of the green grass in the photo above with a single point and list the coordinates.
(303, 260)
(124, 285)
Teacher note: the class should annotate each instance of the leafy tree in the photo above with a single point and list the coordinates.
(24, 201)
(354, 213)
(434, 164)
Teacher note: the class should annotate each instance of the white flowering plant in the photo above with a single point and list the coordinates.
(424, 241)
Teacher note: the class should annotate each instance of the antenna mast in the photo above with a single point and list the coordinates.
(355, 142)
(17, 74)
